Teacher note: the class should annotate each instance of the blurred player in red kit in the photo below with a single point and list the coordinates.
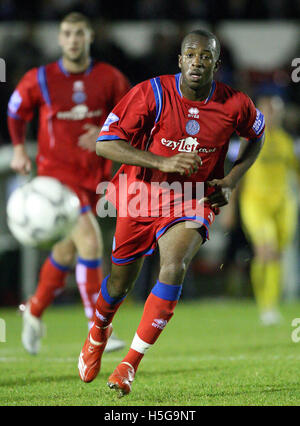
(74, 96)
(172, 128)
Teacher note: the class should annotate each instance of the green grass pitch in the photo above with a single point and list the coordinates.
(211, 353)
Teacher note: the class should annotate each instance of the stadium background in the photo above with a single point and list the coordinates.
(142, 38)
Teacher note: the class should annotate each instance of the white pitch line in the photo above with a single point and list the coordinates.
(164, 359)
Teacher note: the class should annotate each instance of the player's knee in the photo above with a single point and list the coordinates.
(64, 255)
(173, 272)
(118, 288)
(118, 285)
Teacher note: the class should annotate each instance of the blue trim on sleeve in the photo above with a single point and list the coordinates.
(167, 291)
(106, 296)
(15, 116)
(108, 138)
(42, 80)
(89, 263)
(57, 265)
(158, 94)
(259, 137)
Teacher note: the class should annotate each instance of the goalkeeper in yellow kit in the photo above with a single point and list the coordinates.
(268, 209)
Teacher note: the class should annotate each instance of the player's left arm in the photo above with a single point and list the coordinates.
(250, 124)
(249, 150)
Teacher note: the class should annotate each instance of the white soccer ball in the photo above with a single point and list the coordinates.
(42, 212)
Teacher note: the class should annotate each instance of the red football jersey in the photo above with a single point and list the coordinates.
(155, 116)
(66, 102)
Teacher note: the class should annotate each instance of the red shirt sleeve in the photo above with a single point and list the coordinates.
(250, 121)
(17, 130)
(132, 117)
(25, 98)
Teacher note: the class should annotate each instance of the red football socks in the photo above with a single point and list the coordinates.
(88, 278)
(158, 311)
(51, 282)
(106, 307)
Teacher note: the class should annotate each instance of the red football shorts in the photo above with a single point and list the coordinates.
(88, 198)
(137, 238)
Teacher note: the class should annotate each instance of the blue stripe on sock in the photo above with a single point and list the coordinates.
(58, 266)
(89, 263)
(85, 209)
(167, 291)
(106, 296)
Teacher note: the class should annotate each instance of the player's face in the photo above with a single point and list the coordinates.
(75, 40)
(198, 61)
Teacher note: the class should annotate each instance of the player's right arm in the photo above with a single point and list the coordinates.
(121, 151)
(20, 110)
(132, 118)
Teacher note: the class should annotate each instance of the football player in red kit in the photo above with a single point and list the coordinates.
(173, 128)
(73, 96)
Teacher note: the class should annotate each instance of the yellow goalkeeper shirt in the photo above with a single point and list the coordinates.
(268, 176)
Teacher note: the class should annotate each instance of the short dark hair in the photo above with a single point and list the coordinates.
(207, 34)
(74, 17)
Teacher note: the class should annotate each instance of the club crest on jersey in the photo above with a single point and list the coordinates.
(192, 127)
(79, 95)
(193, 113)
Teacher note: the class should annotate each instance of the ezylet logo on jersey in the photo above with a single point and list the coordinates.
(183, 145)
(186, 145)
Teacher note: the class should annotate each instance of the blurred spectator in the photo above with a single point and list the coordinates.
(163, 57)
(21, 55)
(157, 9)
(196, 9)
(150, 9)
(276, 9)
(210, 10)
(56, 9)
(7, 10)
(293, 9)
(228, 67)
(106, 49)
